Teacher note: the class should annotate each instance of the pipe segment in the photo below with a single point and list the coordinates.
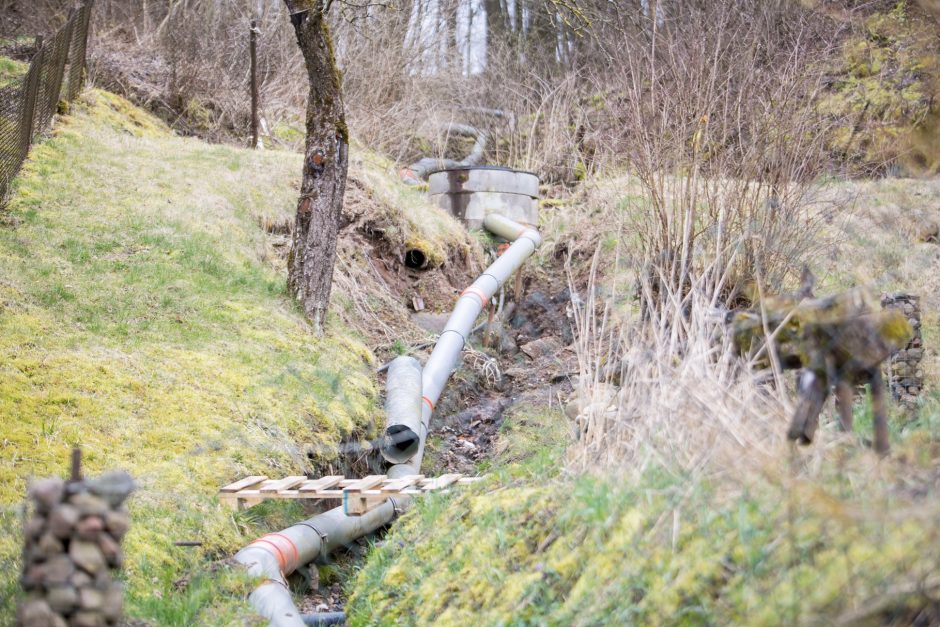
(446, 353)
(275, 556)
(403, 410)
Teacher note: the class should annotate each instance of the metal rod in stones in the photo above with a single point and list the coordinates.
(76, 473)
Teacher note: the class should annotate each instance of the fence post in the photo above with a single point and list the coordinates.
(29, 99)
(253, 45)
(56, 92)
(84, 28)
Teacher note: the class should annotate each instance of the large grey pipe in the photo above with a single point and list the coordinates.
(443, 359)
(276, 555)
(402, 410)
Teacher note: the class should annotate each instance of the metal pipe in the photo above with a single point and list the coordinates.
(324, 618)
(276, 555)
(443, 359)
(422, 168)
(402, 410)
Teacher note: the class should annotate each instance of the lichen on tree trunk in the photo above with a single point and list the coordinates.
(313, 250)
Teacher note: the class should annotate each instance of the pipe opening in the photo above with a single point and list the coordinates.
(416, 259)
(401, 443)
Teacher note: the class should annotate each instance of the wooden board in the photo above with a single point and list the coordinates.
(358, 495)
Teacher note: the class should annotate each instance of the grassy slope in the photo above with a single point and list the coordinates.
(533, 547)
(849, 538)
(137, 320)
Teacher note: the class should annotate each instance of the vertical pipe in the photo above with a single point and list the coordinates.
(403, 410)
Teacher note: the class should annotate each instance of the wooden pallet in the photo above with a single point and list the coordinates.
(358, 495)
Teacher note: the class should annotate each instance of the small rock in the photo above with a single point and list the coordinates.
(547, 346)
(86, 556)
(62, 599)
(87, 619)
(58, 570)
(34, 527)
(88, 504)
(33, 577)
(90, 528)
(62, 520)
(35, 613)
(110, 549)
(113, 486)
(431, 322)
(117, 523)
(103, 579)
(113, 604)
(80, 579)
(90, 599)
(49, 546)
(47, 493)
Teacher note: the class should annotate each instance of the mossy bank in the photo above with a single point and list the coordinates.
(138, 320)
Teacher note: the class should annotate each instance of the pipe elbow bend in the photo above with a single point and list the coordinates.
(532, 235)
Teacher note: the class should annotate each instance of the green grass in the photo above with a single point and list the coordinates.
(11, 70)
(536, 547)
(138, 320)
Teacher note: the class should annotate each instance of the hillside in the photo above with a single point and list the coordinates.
(703, 531)
(144, 315)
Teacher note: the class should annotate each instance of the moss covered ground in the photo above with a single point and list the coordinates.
(853, 541)
(138, 320)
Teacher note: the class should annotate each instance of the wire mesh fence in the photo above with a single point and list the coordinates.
(29, 101)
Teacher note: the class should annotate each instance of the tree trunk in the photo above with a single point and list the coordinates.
(313, 252)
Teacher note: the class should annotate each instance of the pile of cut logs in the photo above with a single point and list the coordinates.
(905, 373)
(72, 551)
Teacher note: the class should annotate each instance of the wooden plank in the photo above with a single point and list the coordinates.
(441, 482)
(283, 484)
(358, 503)
(241, 484)
(397, 485)
(359, 495)
(366, 483)
(323, 483)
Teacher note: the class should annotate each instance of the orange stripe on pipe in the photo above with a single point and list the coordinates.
(293, 547)
(475, 292)
(277, 553)
(428, 401)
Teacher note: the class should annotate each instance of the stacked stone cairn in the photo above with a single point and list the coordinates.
(72, 551)
(904, 371)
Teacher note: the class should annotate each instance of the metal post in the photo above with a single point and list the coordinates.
(56, 91)
(29, 101)
(253, 39)
(76, 474)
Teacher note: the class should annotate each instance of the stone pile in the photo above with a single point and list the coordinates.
(905, 373)
(72, 551)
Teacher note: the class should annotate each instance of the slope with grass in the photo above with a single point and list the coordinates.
(138, 320)
(827, 534)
